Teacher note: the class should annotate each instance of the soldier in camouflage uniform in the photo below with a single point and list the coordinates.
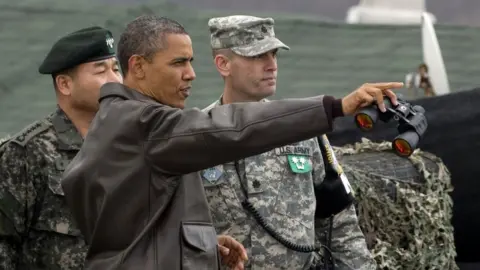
(279, 183)
(36, 228)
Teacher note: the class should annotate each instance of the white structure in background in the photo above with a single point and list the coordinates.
(432, 56)
(405, 12)
(388, 12)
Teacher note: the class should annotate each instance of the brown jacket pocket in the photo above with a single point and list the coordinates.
(199, 246)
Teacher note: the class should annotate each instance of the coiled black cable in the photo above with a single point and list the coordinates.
(247, 205)
(289, 244)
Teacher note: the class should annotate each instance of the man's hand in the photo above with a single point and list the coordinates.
(233, 253)
(367, 94)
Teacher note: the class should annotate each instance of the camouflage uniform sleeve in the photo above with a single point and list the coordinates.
(15, 198)
(348, 243)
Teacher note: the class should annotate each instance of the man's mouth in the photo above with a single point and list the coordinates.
(185, 91)
(271, 81)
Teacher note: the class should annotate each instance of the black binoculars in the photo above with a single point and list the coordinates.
(412, 123)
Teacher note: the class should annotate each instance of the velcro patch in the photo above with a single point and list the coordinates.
(299, 164)
(212, 174)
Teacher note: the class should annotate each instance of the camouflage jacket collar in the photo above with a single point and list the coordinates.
(68, 136)
(219, 102)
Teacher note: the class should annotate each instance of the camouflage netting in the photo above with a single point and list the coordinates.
(404, 207)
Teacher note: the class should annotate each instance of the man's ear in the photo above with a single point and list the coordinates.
(64, 84)
(136, 66)
(223, 64)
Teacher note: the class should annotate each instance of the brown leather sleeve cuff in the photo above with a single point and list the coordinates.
(333, 108)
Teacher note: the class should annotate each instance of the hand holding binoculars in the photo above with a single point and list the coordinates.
(412, 123)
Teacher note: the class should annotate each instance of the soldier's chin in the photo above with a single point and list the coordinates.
(269, 90)
(178, 103)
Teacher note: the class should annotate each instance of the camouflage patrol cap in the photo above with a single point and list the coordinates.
(244, 35)
(82, 46)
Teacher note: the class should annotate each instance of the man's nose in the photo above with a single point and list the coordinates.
(189, 74)
(114, 77)
(271, 60)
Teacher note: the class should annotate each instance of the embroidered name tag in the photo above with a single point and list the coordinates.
(293, 150)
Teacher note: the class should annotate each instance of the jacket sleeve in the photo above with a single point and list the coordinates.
(15, 199)
(185, 141)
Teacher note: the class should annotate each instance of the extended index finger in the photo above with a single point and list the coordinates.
(387, 85)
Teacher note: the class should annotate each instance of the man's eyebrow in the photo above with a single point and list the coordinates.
(100, 63)
(104, 63)
(182, 59)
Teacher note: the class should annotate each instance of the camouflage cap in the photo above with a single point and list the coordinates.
(244, 35)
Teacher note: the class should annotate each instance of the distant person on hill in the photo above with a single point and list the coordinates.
(419, 80)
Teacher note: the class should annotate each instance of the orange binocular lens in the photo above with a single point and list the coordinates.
(364, 121)
(402, 147)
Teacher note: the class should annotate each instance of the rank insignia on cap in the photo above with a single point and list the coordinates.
(109, 41)
(212, 174)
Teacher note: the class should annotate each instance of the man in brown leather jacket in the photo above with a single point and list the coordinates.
(134, 188)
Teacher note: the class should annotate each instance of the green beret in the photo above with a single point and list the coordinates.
(83, 46)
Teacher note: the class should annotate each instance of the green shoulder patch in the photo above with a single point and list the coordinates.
(299, 164)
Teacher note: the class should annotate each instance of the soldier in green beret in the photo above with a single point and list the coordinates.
(36, 227)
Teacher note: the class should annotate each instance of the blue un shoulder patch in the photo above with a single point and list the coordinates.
(212, 174)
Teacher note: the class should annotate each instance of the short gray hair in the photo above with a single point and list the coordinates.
(145, 36)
